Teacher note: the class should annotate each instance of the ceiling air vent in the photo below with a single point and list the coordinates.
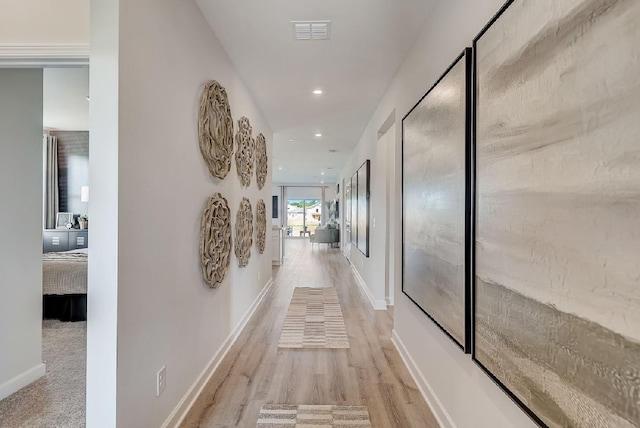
(311, 30)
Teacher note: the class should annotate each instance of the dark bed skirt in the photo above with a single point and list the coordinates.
(66, 307)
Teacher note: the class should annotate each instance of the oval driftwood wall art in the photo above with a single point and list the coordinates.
(215, 240)
(244, 151)
(261, 225)
(244, 232)
(215, 129)
(261, 160)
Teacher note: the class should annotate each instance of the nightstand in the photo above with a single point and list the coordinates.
(64, 239)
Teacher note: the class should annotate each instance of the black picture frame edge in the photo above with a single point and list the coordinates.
(511, 395)
(492, 21)
(469, 201)
(468, 328)
(444, 330)
(274, 206)
(536, 419)
(353, 238)
(432, 87)
(366, 163)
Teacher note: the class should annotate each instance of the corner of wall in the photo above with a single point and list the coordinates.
(376, 304)
(23, 379)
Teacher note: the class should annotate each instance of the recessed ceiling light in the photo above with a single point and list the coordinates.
(332, 151)
(321, 182)
(322, 173)
(318, 92)
(88, 98)
(291, 140)
(318, 135)
(279, 167)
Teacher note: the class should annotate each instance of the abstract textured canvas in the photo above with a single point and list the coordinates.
(557, 285)
(435, 145)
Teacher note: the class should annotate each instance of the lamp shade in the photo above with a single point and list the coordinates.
(84, 194)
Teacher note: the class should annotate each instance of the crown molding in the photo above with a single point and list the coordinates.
(21, 55)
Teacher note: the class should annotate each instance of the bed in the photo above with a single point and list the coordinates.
(64, 285)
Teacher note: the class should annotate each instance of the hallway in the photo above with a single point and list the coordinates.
(255, 372)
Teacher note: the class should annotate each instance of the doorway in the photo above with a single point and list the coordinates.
(387, 155)
(303, 217)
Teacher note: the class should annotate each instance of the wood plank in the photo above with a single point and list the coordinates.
(255, 372)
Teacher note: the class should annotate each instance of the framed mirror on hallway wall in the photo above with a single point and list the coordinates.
(358, 195)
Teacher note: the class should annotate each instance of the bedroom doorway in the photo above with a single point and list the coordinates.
(55, 311)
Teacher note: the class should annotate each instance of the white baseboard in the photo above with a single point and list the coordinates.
(180, 411)
(441, 414)
(23, 379)
(378, 305)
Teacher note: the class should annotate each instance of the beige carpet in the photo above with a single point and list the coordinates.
(314, 320)
(58, 398)
(305, 416)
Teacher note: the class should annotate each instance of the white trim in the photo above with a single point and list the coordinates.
(184, 405)
(378, 305)
(18, 55)
(23, 379)
(440, 413)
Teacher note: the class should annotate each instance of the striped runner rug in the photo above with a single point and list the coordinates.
(314, 320)
(307, 416)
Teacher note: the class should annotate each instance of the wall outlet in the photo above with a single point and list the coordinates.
(161, 381)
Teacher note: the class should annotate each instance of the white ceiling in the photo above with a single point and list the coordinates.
(368, 41)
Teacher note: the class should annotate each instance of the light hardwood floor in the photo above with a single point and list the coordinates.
(255, 372)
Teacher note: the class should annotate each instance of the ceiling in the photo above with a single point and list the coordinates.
(368, 41)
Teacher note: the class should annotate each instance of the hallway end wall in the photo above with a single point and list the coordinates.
(463, 394)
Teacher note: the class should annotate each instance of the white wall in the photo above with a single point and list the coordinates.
(165, 313)
(467, 396)
(65, 103)
(36, 22)
(21, 234)
(300, 192)
(102, 296)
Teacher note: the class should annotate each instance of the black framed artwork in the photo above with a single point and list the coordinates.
(362, 241)
(354, 210)
(274, 206)
(557, 179)
(436, 193)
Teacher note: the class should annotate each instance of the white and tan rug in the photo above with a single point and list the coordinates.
(314, 320)
(308, 416)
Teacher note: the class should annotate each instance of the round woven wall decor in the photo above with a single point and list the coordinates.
(215, 240)
(244, 151)
(262, 164)
(215, 129)
(244, 232)
(261, 225)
